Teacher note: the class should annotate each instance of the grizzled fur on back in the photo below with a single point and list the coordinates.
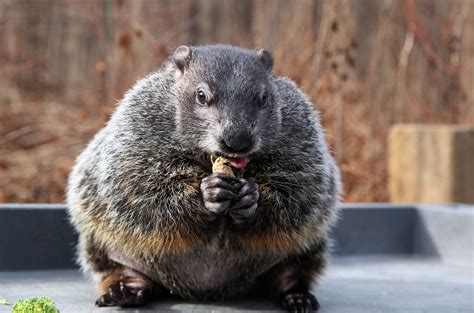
(134, 191)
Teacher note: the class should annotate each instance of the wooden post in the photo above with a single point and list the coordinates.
(431, 164)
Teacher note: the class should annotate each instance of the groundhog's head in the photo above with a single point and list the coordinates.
(226, 100)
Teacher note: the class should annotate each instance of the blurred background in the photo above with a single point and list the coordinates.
(366, 64)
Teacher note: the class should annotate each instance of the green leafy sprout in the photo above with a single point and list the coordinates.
(4, 302)
(35, 305)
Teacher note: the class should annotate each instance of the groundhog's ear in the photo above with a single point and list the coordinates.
(181, 57)
(266, 58)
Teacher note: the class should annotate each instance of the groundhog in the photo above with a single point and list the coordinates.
(153, 219)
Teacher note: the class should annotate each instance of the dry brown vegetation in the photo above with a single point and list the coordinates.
(366, 64)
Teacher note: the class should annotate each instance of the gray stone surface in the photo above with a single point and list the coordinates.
(352, 285)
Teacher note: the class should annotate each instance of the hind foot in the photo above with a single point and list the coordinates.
(300, 302)
(125, 287)
(122, 295)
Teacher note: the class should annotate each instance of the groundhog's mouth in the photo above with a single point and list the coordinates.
(240, 162)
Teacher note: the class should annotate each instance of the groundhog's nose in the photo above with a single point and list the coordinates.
(238, 141)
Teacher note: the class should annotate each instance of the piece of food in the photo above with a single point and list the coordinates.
(4, 302)
(222, 165)
(35, 305)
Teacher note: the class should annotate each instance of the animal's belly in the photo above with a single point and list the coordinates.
(206, 272)
(212, 273)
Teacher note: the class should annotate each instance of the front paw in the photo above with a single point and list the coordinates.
(219, 191)
(243, 209)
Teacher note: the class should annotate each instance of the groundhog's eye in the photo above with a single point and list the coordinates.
(201, 97)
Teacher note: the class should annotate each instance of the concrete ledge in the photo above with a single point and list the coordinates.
(35, 237)
(39, 236)
(444, 233)
(374, 229)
